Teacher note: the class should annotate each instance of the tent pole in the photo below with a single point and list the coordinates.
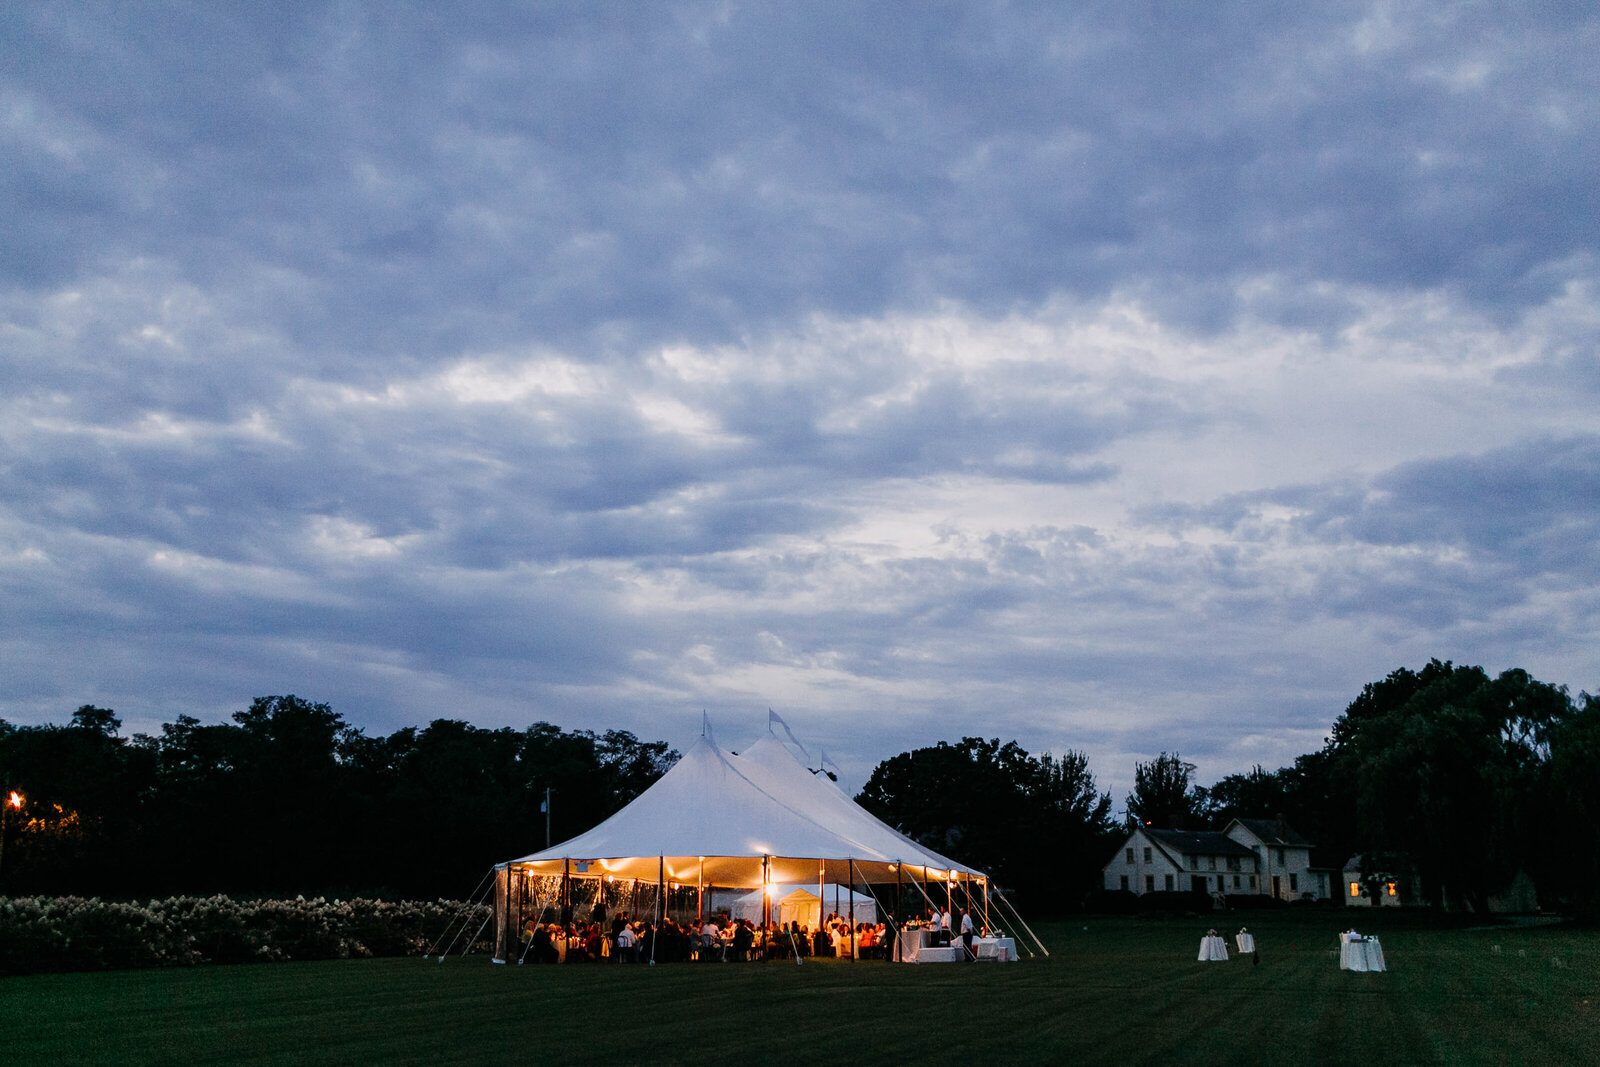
(852, 863)
(566, 892)
(899, 912)
(661, 905)
(822, 901)
(986, 927)
(700, 896)
(766, 899)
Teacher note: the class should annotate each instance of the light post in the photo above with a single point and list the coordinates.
(13, 800)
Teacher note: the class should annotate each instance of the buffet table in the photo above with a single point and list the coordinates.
(911, 944)
(918, 946)
(1357, 953)
(1213, 948)
(999, 949)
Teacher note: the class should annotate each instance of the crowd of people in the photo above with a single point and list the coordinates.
(719, 938)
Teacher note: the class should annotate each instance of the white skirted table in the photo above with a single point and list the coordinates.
(1357, 953)
(1213, 948)
(1246, 941)
(911, 944)
(999, 949)
(918, 946)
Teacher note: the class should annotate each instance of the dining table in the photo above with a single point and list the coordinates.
(1358, 953)
(1245, 941)
(1213, 949)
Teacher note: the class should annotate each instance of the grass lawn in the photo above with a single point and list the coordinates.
(1121, 991)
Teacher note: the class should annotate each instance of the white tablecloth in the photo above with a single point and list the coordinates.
(1213, 948)
(1357, 953)
(1003, 949)
(910, 944)
(1246, 942)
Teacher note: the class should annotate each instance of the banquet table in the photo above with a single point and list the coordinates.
(1357, 953)
(1246, 941)
(1001, 949)
(1213, 948)
(910, 944)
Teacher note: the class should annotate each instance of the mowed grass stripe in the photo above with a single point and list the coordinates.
(1124, 990)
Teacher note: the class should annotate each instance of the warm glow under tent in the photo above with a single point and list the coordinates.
(798, 903)
(733, 821)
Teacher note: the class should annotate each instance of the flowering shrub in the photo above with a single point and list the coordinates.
(86, 933)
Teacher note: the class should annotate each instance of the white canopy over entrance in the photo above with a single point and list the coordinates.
(798, 903)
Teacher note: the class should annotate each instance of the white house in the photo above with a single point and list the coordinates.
(1285, 857)
(1169, 861)
(1249, 856)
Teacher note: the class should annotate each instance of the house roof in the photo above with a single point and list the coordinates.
(1268, 831)
(1197, 842)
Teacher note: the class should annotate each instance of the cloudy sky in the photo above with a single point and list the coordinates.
(1124, 377)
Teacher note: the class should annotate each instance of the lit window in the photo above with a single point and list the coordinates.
(1390, 888)
(1355, 889)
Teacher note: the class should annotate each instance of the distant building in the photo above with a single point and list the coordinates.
(1248, 857)
(1286, 868)
(1376, 888)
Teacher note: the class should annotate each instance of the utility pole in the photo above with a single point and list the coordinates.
(545, 807)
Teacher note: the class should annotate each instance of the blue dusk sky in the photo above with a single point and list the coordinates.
(1121, 377)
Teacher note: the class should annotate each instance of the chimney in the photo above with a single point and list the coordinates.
(1283, 827)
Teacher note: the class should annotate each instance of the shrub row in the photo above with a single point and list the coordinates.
(86, 933)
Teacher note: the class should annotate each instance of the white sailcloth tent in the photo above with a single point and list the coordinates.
(753, 821)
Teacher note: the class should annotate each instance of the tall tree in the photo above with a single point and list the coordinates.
(1164, 794)
(1446, 761)
(1035, 823)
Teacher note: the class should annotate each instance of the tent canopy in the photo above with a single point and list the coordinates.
(715, 819)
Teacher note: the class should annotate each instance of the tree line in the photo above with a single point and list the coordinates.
(1460, 778)
(1446, 774)
(289, 799)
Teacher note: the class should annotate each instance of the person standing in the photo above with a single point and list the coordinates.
(966, 935)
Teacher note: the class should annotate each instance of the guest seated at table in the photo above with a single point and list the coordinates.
(743, 938)
(538, 944)
(711, 947)
(626, 952)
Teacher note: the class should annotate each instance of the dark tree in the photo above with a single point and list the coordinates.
(1163, 794)
(1036, 824)
(1447, 764)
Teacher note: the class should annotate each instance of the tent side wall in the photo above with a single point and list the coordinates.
(502, 940)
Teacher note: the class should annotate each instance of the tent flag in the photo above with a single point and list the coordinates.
(705, 727)
(774, 717)
(823, 762)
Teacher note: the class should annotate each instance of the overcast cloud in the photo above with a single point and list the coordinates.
(1121, 377)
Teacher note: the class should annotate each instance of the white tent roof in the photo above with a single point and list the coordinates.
(712, 819)
(773, 767)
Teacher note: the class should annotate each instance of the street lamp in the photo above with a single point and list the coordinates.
(13, 800)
